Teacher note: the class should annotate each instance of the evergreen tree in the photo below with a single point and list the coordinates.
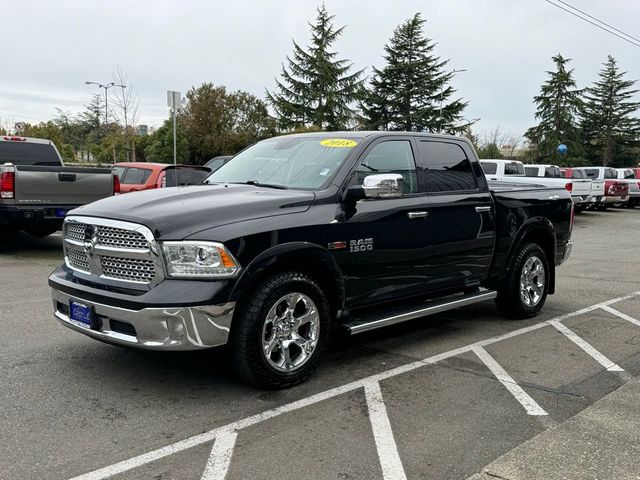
(607, 122)
(316, 90)
(411, 91)
(557, 113)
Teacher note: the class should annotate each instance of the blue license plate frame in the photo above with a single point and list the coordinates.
(81, 314)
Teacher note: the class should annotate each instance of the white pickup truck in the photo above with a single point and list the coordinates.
(37, 190)
(551, 176)
(547, 175)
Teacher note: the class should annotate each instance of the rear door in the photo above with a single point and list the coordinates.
(461, 214)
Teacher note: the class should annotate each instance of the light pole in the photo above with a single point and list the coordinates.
(454, 71)
(106, 97)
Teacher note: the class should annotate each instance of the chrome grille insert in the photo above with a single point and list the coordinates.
(133, 270)
(111, 249)
(77, 259)
(75, 231)
(121, 238)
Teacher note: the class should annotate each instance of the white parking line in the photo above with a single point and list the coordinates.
(210, 435)
(529, 404)
(388, 455)
(220, 456)
(618, 313)
(579, 341)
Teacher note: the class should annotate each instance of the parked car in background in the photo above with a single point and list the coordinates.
(216, 162)
(136, 176)
(630, 176)
(502, 170)
(37, 190)
(545, 175)
(615, 191)
(596, 190)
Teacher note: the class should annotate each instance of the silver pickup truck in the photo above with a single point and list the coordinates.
(37, 190)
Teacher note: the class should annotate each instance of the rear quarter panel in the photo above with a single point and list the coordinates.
(519, 211)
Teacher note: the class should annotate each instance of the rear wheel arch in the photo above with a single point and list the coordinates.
(541, 232)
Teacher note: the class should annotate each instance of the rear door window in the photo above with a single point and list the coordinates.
(489, 168)
(449, 169)
(531, 171)
(592, 173)
(610, 173)
(135, 176)
(513, 168)
(552, 172)
(26, 153)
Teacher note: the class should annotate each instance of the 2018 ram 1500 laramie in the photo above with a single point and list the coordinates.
(300, 234)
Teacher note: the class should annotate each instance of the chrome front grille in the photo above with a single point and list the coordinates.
(110, 249)
(128, 269)
(121, 238)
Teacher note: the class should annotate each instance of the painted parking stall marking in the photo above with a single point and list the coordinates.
(224, 437)
(595, 354)
(529, 404)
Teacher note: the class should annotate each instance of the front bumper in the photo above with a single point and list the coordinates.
(157, 328)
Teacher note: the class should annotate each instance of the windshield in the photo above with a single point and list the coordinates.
(306, 163)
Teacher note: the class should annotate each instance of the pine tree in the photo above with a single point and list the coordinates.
(607, 122)
(557, 113)
(411, 91)
(316, 90)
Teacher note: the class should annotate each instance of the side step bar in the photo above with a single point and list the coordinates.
(372, 322)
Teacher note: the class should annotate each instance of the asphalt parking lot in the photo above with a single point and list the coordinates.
(440, 397)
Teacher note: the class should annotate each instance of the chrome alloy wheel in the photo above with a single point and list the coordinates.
(290, 332)
(532, 281)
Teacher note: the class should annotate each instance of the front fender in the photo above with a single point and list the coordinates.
(300, 256)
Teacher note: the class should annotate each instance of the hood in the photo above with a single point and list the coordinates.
(177, 212)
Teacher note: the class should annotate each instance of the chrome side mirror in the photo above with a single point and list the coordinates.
(384, 185)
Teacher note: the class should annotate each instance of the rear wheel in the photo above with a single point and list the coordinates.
(524, 291)
(281, 330)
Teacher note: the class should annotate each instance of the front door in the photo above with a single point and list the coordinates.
(387, 239)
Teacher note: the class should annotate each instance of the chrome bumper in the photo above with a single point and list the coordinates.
(171, 328)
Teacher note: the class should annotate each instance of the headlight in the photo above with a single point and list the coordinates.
(195, 259)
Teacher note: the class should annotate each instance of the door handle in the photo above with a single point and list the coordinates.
(483, 209)
(413, 215)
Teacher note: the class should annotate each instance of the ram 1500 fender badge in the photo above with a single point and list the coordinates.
(361, 245)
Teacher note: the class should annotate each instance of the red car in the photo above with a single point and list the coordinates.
(135, 176)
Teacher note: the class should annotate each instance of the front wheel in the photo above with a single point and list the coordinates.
(280, 332)
(525, 288)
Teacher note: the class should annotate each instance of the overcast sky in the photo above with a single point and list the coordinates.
(51, 47)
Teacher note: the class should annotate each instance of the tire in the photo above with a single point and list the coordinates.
(268, 320)
(511, 299)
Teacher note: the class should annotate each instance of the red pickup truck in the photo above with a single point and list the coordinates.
(615, 191)
(135, 176)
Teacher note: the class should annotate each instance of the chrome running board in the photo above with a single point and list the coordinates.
(372, 322)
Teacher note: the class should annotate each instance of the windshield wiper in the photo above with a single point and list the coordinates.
(260, 184)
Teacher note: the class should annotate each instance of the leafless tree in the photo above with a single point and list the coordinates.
(125, 103)
(509, 143)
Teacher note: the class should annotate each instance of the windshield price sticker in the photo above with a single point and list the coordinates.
(338, 143)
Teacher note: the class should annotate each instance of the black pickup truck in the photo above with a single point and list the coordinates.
(303, 234)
